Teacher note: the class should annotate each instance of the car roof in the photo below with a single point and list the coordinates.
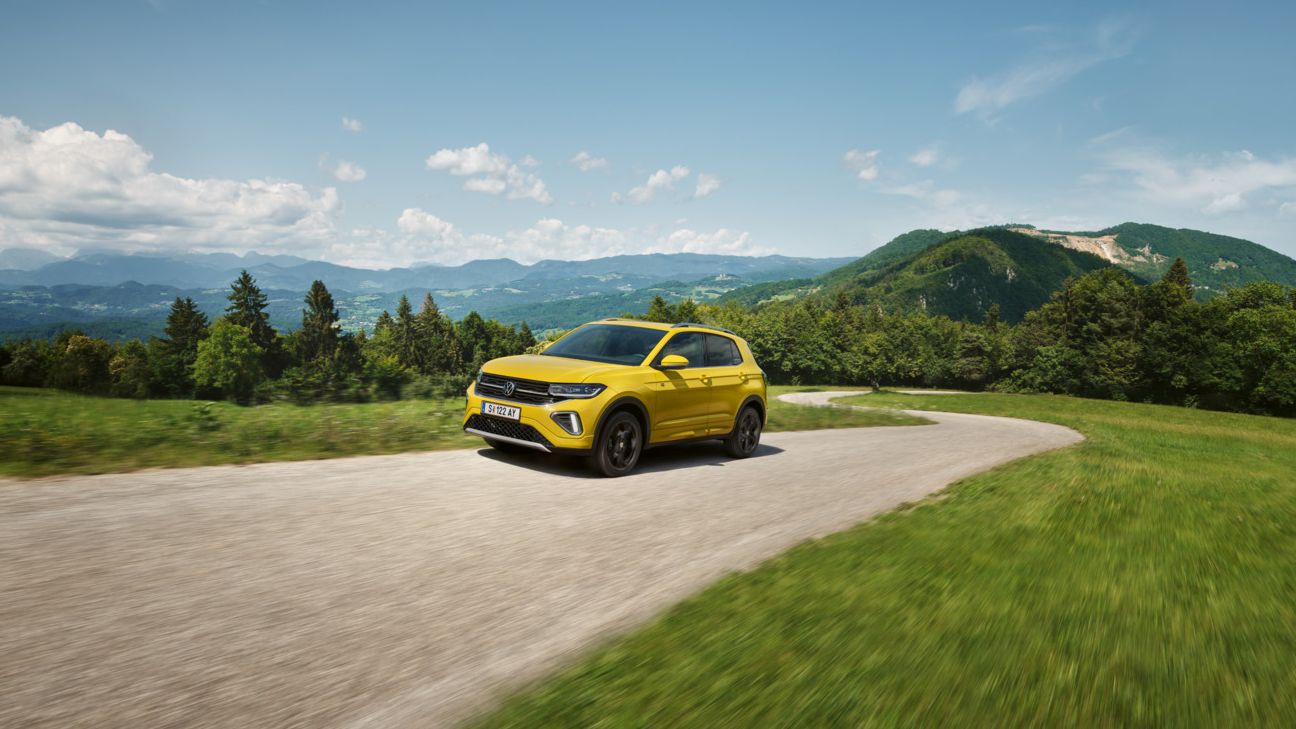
(684, 326)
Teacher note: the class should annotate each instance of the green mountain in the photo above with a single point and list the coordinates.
(951, 274)
(875, 260)
(1215, 262)
(963, 275)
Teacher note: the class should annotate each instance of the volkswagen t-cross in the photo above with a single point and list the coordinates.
(612, 388)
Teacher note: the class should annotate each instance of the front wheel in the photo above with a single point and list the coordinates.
(746, 434)
(619, 445)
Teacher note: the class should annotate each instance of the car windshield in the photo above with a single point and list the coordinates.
(611, 343)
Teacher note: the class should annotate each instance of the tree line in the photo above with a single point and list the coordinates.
(1101, 335)
(241, 357)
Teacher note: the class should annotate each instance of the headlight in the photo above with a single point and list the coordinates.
(581, 390)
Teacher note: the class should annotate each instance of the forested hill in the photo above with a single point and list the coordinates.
(947, 274)
(964, 276)
(1216, 262)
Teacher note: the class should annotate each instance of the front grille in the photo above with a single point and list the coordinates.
(528, 391)
(506, 428)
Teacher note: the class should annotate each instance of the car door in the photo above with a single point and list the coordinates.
(724, 370)
(682, 405)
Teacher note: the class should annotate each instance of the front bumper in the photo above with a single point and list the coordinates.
(536, 429)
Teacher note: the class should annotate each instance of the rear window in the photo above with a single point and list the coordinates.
(722, 351)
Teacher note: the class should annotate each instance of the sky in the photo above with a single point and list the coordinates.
(384, 134)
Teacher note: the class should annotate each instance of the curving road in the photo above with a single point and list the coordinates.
(407, 590)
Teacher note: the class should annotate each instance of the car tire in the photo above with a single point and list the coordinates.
(618, 446)
(746, 434)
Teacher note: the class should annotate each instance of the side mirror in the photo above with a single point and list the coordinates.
(672, 362)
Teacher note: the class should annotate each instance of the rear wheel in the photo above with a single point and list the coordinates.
(619, 445)
(746, 434)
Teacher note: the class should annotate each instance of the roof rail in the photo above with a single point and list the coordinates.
(702, 326)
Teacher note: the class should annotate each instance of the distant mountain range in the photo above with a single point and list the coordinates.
(961, 274)
(214, 270)
(128, 295)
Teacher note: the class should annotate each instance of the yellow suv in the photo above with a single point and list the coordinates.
(611, 388)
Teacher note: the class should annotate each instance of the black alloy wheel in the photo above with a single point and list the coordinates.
(619, 445)
(746, 435)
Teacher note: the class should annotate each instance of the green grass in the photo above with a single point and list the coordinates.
(1145, 577)
(785, 416)
(46, 432)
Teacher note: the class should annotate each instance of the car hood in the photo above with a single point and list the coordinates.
(546, 368)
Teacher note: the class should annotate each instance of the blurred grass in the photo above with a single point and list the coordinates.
(1145, 577)
(46, 432)
(786, 416)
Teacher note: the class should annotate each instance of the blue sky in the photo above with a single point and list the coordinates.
(803, 129)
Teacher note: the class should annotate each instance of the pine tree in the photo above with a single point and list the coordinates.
(247, 309)
(435, 340)
(318, 339)
(175, 354)
(660, 311)
(1178, 280)
(527, 340)
(186, 326)
(403, 333)
(474, 340)
(992, 318)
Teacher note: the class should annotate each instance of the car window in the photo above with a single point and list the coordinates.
(688, 345)
(721, 351)
(611, 343)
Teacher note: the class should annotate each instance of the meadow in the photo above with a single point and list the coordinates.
(1144, 577)
(46, 432)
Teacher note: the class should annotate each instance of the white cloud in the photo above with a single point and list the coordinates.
(586, 162)
(488, 185)
(706, 184)
(656, 182)
(492, 173)
(730, 242)
(928, 192)
(1048, 67)
(863, 164)
(66, 188)
(416, 221)
(1226, 203)
(426, 237)
(1214, 184)
(352, 125)
(1287, 208)
(343, 171)
(926, 157)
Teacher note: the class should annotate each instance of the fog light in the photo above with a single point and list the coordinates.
(569, 422)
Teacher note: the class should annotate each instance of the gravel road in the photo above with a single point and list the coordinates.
(409, 590)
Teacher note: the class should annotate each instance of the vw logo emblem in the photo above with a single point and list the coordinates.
(509, 387)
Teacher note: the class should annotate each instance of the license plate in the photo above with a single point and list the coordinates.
(501, 411)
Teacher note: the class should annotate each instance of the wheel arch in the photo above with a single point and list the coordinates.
(759, 404)
(628, 403)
